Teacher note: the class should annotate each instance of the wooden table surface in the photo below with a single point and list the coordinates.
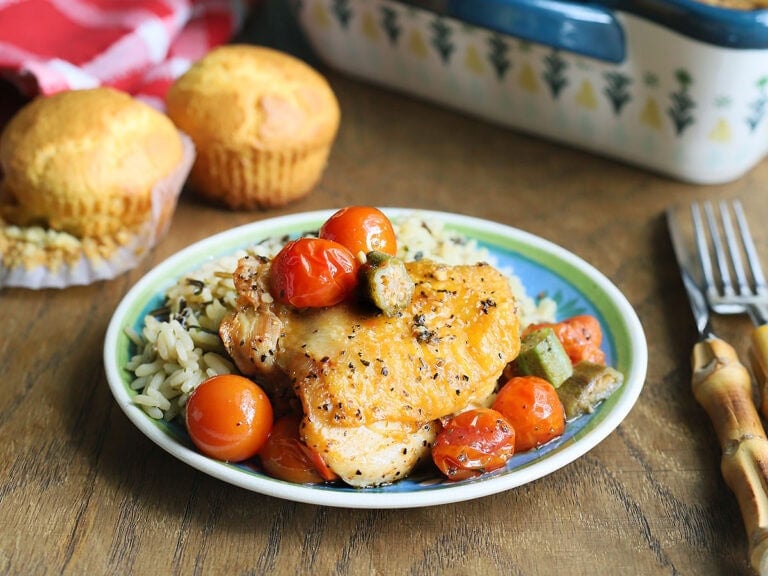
(82, 491)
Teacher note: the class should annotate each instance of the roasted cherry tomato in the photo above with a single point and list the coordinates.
(313, 272)
(229, 417)
(588, 327)
(472, 443)
(532, 406)
(361, 229)
(286, 457)
(581, 337)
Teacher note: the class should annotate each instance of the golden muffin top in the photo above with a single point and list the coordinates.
(244, 95)
(85, 161)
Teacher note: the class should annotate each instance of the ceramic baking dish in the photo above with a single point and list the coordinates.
(676, 86)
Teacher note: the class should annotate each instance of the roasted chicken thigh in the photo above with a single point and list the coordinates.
(372, 388)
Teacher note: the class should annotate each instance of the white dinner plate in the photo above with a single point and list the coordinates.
(545, 269)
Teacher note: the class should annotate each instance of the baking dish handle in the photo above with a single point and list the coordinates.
(573, 26)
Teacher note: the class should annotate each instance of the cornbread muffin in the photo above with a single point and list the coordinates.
(90, 183)
(85, 161)
(263, 123)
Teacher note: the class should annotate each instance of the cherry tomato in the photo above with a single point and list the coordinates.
(473, 442)
(361, 229)
(580, 335)
(532, 406)
(228, 417)
(313, 272)
(286, 457)
(589, 335)
(588, 327)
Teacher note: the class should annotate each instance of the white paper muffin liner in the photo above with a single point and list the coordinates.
(87, 269)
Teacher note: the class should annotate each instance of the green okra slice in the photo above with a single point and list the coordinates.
(589, 385)
(385, 282)
(542, 354)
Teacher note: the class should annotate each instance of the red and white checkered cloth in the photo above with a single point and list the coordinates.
(138, 46)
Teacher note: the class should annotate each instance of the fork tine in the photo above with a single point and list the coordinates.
(733, 278)
(749, 248)
(720, 261)
(702, 245)
(720, 254)
(734, 249)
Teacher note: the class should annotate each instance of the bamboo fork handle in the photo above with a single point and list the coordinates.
(723, 387)
(760, 364)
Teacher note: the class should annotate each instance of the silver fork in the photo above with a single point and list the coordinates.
(732, 287)
(721, 383)
(733, 277)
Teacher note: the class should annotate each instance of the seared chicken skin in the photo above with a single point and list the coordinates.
(371, 387)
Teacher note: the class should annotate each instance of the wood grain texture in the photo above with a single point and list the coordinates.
(82, 491)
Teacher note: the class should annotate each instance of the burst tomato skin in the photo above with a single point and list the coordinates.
(532, 406)
(228, 417)
(286, 457)
(472, 443)
(312, 273)
(361, 229)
